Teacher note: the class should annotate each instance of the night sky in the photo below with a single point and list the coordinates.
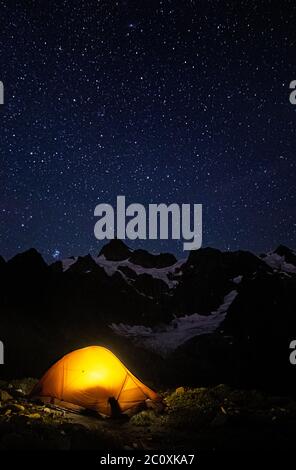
(161, 101)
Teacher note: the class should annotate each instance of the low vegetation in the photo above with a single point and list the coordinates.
(193, 418)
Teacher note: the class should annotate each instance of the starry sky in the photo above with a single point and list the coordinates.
(182, 101)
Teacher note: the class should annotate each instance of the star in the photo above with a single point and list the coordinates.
(56, 254)
(152, 103)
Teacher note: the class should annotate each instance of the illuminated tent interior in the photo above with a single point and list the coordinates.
(92, 378)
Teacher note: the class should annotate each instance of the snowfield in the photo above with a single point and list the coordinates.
(111, 267)
(165, 340)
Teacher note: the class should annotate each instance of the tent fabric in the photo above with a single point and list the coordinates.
(89, 378)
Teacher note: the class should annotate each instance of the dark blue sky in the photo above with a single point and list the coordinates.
(161, 101)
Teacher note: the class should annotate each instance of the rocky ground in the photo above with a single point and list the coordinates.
(216, 418)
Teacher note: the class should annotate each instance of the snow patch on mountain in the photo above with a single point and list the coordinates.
(158, 273)
(237, 279)
(111, 267)
(66, 263)
(164, 340)
(279, 263)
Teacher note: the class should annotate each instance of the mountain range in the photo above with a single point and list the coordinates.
(212, 317)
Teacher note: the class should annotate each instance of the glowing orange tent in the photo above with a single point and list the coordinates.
(92, 378)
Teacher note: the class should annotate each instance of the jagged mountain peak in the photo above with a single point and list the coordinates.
(232, 262)
(287, 253)
(30, 257)
(116, 250)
